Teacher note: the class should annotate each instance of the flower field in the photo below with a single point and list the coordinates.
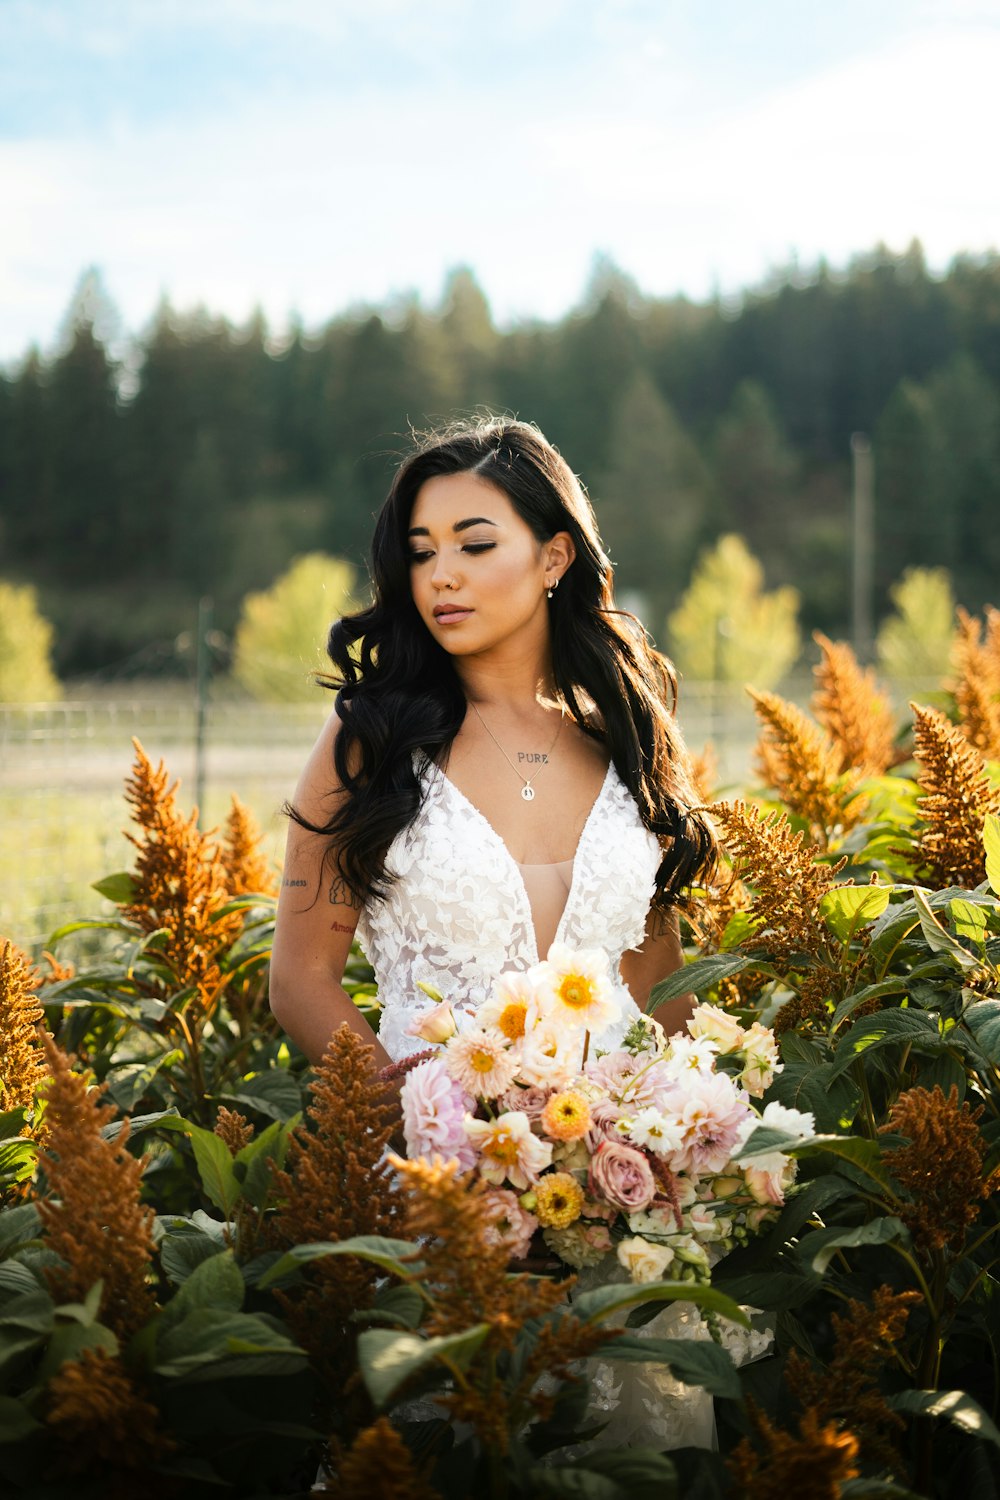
(213, 1283)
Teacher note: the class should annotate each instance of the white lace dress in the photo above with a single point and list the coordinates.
(458, 914)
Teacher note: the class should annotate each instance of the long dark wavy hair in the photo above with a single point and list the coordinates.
(398, 692)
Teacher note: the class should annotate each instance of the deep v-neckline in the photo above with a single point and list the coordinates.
(512, 862)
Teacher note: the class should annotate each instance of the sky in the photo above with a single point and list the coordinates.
(307, 156)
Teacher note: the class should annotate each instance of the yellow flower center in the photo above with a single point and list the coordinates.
(502, 1148)
(576, 991)
(481, 1062)
(512, 1019)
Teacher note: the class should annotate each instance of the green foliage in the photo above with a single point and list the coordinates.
(915, 641)
(282, 632)
(727, 628)
(26, 674)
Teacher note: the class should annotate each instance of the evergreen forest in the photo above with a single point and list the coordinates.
(204, 457)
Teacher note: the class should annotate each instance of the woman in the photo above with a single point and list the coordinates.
(502, 769)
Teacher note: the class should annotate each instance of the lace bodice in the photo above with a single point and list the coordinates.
(458, 913)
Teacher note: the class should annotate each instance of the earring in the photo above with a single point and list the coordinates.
(552, 588)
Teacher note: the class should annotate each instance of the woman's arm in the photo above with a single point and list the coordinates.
(659, 955)
(317, 917)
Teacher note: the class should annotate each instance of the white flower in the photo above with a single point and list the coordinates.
(644, 1261)
(508, 1150)
(691, 1055)
(797, 1122)
(576, 987)
(513, 1007)
(550, 1056)
(653, 1221)
(760, 1064)
(480, 1062)
(435, 1025)
(719, 1027)
(656, 1132)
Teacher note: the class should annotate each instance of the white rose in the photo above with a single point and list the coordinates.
(717, 1026)
(644, 1261)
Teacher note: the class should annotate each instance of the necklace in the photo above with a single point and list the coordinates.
(527, 790)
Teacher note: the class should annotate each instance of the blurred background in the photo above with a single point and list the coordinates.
(737, 261)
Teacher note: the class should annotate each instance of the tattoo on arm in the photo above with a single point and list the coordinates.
(294, 882)
(341, 927)
(342, 895)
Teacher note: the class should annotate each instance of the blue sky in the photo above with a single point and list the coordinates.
(305, 155)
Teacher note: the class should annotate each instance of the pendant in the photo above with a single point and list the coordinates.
(528, 792)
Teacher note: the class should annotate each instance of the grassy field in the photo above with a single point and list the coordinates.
(62, 769)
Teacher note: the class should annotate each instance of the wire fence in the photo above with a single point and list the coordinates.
(63, 765)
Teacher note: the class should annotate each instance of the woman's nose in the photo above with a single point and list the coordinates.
(442, 576)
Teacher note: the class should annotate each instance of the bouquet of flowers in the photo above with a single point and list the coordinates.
(634, 1150)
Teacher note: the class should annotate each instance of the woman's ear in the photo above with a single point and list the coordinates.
(559, 553)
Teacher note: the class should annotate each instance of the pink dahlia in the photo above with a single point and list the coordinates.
(434, 1110)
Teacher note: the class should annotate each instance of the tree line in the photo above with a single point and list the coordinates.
(205, 456)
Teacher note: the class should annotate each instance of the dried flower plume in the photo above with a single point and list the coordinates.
(91, 1211)
(846, 1389)
(794, 756)
(180, 882)
(941, 1168)
(247, 872)
(779, 866)
(378, 1466)
(336, 1185)
(22, 1065)
(975, 656)
(467, 1274)
(811, 1466)
(852, 710)
(233, 1129)
(956, 796)
(104, 1426)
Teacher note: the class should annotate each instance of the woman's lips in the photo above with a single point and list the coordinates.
(453, 615)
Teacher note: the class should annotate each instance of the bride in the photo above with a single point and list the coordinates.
(502, 770)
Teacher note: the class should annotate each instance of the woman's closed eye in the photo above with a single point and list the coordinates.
(471, 547)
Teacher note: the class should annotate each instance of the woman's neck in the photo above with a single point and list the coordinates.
(515, 681)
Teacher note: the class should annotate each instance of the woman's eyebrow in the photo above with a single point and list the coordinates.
(458, 526)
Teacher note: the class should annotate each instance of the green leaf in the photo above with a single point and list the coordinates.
(161, 1119)
(855, 1149)
(12, 1123)
(939, 939)
(181, 1254)
(991, 839)
(256, 1157)
(127, 1085)
(593, 1306)
(34, 1312)
(119, 888)
(609, 1474)
(957, 1406)
(969, 919)
(772, 1291)
(387, 1357)
(695, 1361)
(215, 1168)
(232, 1342)
(387, 1253)
(18, 1226)
(696, 977)
(821, 1246)
(399, 1305)
(17, 1158)
(215, 1283)
(850, 1003)
(16, 1421)
(847, 908)
(276, 1093)
(898, 1027)
(983, 1020)
(814, 1089)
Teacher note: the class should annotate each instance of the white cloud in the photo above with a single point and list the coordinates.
(316, 202)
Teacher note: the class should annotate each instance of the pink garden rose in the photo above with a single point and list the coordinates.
(511, 1225)
(621, 1175)
(434, 1110)
(531, 1100)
